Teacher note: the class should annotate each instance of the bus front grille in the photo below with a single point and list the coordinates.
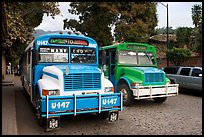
(82, 81)
(154, 78)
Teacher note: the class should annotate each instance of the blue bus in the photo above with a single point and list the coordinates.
(60, 73)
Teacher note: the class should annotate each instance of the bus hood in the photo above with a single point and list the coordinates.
(141, 70)
(149, 69)
(71, 69)
(145, 75)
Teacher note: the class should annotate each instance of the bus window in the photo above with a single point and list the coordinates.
(136, 58)
(127, 57)
(144, 58)
(82, 55)
(54, 54)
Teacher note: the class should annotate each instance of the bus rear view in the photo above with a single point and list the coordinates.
(61, 75)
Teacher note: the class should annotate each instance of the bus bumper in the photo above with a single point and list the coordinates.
(145, 92)
(52, 107)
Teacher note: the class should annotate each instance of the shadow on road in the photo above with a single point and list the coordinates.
(191, 92)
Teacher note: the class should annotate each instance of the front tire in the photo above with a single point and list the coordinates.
(41, 120)
(127, 94)
(160, 100)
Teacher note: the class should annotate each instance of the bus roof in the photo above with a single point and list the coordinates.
(60, 35)
(118, 44)
(64, 34)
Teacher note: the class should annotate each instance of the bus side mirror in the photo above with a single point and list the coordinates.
(104, 67)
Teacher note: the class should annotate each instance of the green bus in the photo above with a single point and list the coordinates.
(133, 70)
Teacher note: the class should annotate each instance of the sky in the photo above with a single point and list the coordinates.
(179, 16)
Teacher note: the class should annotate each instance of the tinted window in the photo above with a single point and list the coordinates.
(196, 72)
(185, 71)
(171, 70)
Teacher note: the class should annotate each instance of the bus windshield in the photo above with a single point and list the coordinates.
(53, 54)
(136, 58)
(61, 55)
(83, 55)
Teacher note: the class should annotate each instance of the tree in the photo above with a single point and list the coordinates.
(184, 36)
(198, 36)
(20, 19)
(196, 14)
(178, 55)
(94, 20)
(164, 31)
(197, 20)
(136, 21)
(133, 21)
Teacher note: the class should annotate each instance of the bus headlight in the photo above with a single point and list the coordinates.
(50, 92)
(109, 89)
(135, 85)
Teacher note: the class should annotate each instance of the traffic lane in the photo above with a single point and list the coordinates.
(180, 115)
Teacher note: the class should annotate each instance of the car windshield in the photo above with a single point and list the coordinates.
(83, 55)
(53, 54)
(136, 58)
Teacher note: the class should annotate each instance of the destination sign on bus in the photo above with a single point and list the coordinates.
(68, 41)
(53, 50)
(82, 51)
(135, 47)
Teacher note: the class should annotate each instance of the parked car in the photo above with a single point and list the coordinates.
(186, 77)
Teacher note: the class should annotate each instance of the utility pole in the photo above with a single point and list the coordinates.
(167, 30)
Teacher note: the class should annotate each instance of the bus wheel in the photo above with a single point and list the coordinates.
(127, 94)
(160, 100)
(41, 120)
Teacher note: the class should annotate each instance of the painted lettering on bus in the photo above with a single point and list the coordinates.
(39, 42)
(109, 101)
(58, 105)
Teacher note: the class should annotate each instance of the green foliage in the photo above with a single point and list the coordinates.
(197, 39)
(197, 21)
(94, 20)
(20, 19)
(163, 30)
(133, 21)
(178, 55)
(184, 36)
(136, 21)
(196, 11)
(172, 44)
(198, 43)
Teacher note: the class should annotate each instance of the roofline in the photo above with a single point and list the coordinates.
(116, 45)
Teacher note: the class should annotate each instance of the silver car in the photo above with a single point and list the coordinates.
(186, 77)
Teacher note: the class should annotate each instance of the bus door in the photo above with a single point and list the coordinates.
(31, 67)
(108, 64)
(112, 60)
(104, 62)
(29, 72)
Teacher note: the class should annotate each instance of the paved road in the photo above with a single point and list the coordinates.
(180, 115)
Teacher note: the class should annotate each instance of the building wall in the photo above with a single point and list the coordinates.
(193, 61)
